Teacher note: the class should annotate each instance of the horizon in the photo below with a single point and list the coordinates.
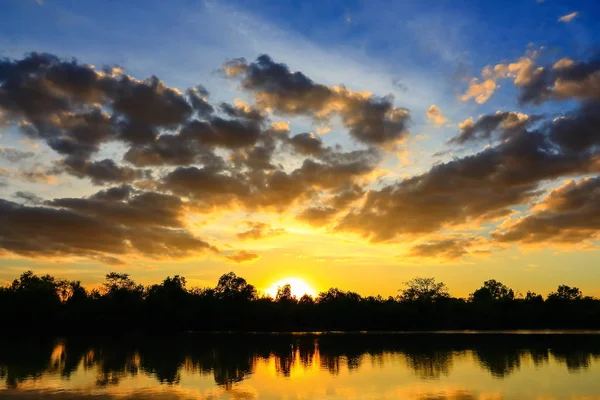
(300, 288)
(339, 145)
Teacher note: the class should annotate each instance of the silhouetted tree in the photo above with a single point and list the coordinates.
(424, 289)
(30, 284)
(284, 294)
(47, 305)
(233, 287)
(493, 290)
(306, 299)
(168, 302)
(566, 293)
(31, 301)
(533, 297)
(115, 282)
(171, 289)
(335, 294)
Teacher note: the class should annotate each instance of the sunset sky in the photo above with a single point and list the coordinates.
(341, 143)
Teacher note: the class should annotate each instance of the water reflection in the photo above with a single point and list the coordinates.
(229, 360)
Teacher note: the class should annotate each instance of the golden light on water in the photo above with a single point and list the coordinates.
(305, 367)
(299, 287)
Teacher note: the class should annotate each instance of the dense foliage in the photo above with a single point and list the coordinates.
(48, 305)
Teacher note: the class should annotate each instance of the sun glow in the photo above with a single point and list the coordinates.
(299, 287)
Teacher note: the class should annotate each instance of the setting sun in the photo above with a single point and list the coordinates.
(299, 287)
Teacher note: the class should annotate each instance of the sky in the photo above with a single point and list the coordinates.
(344, 144)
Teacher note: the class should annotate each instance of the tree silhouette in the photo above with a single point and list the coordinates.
(566, 293)
(44, 304)
(533, 297)
(424, 289)
(233, 287)
(337, 295)
(115, 282)
(284, 294)
(306, 300)
(493, 290)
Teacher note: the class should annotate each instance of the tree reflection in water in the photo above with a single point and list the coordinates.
(231, 358)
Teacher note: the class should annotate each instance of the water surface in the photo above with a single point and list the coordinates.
(327, 366)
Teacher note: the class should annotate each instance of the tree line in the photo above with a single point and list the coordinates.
(44, 304)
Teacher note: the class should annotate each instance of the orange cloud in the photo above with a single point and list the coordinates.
(260, 230)
(522, 72)
(569, 17)
(242, 256)
(436, 115)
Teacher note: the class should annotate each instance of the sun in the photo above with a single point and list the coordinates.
(299, 287)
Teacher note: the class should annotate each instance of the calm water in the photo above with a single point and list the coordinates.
(340, 366)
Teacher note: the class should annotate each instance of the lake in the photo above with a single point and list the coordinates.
(433, 366)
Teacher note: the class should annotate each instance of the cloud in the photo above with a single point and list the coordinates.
(563, 80)
(208, 188)
(259, 230)
(181, 155)
(64, 102)
(223, 154)
(436, 115)
(306, 144)
(171, 150)
(508, 122)
(108, 260)
(128, 206)
(317, 216)
(568, 17)
(78, 108)
(579, 80)
(449, 249)
(569, 214)
(37, 231)
(102, 172)
(480, 91)
(371, 120)
(36, 175)
(197, 138)
(563, 63)
(346, 196)
(14, 155)
(242, 256)
(33, 174)
(29, 197)
(271, 188)
(114, 222)
(578, 131)
(523, 73)
(198, 98)
(479, 187)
